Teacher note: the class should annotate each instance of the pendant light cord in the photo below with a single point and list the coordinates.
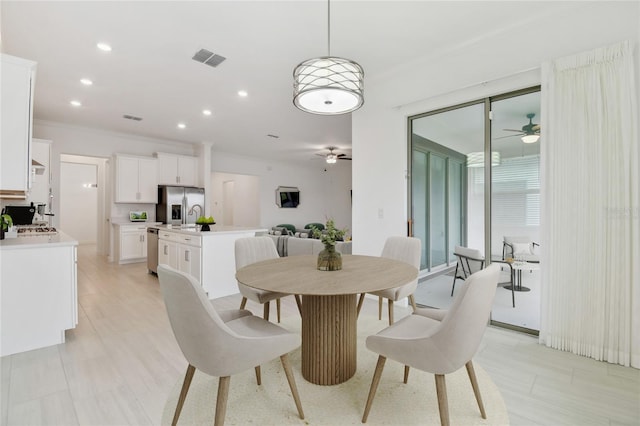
(328, 27)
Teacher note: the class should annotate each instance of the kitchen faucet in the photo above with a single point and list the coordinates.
(200, 210)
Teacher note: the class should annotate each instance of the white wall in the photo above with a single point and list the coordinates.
(484, 67)
(322, 194)
(243, 192)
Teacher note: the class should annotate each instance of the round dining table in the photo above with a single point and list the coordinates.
(329, 317)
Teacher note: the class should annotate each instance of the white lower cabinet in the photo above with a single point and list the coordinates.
(182, 252)
(131, 242)
(189, 260)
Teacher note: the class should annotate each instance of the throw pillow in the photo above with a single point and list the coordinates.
(521, 248)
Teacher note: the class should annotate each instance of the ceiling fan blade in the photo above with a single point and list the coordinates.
(344, 158)
(508, 136)
(513, 130)
(321, 155)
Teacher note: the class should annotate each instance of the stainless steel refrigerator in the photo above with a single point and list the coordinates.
(179, 205)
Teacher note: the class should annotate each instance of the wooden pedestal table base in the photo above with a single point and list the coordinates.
(328, 304)
(329, 338)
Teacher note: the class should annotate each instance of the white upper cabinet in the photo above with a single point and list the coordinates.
(18, 79)
(136, 179)
(176, 169)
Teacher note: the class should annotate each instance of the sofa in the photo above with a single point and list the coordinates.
(288, 245)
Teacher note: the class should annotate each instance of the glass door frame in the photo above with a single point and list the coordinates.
(486, 101)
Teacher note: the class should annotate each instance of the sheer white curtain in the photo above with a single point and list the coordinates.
(590, 214)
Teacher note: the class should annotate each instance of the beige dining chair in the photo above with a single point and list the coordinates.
(405, 249)
(439, 342)
(221, 344)
(251, 250)
(469, 262)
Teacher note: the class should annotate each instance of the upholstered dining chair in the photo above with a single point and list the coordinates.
(405, 249)
(439, 342)
(221, 344)
(251, 250)
(469, 262)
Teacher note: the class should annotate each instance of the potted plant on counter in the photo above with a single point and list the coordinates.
(5, 223)
(329, 259)
(205, 222)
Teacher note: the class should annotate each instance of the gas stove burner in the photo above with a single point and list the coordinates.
(27, 230)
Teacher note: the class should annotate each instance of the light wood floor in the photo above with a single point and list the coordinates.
(118, 366)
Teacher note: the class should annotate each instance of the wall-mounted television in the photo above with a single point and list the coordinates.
(287, 197)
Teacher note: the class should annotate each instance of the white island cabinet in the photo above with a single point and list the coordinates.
(38, 291)
(209, 257)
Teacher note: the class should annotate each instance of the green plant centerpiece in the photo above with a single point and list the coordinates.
(205, 222)
(329, 259)
(5, 223)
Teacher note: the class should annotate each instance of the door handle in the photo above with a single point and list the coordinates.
(186, 255)
(165, 250)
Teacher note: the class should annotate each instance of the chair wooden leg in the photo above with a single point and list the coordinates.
(265, 314)
(258, 376)
(476, 389)
(360, 302)
(406, 374)
(374, 386)
(379, 308)
(292, 383)
(412, 300)
(221, 403)
(443, 405)
(299, 303)
(278, 309)
(243, 303)
(390, 303)
(183, 393)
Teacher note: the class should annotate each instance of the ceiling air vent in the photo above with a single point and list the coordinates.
(132, 117)
(208, 58)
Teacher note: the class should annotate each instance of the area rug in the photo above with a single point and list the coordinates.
(395, 403)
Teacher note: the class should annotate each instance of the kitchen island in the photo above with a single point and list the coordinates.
(209, 257)
(38, 291)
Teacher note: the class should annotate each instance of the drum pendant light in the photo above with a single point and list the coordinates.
(328, 85)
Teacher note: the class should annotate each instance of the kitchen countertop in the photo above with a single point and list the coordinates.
(38, 241)
(215, 229)
(126, 221)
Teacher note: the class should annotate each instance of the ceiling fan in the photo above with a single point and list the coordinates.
(332, 157)
(530, 133)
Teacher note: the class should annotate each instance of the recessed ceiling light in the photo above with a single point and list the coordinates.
(243, 93)
(206, 111)
(182, 126)
(86, 82)
(76, 103)
(104, 47)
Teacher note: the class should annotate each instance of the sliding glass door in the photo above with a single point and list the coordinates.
(467, 161)
(439, 199)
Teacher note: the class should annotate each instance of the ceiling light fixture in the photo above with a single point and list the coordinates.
(86, 81)
(104, 47)
(328, 85)
(243, 93)
(332, 158)
(182, 126)
(530, 138)
(76, 103)
(206, 112)
(476, 159)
